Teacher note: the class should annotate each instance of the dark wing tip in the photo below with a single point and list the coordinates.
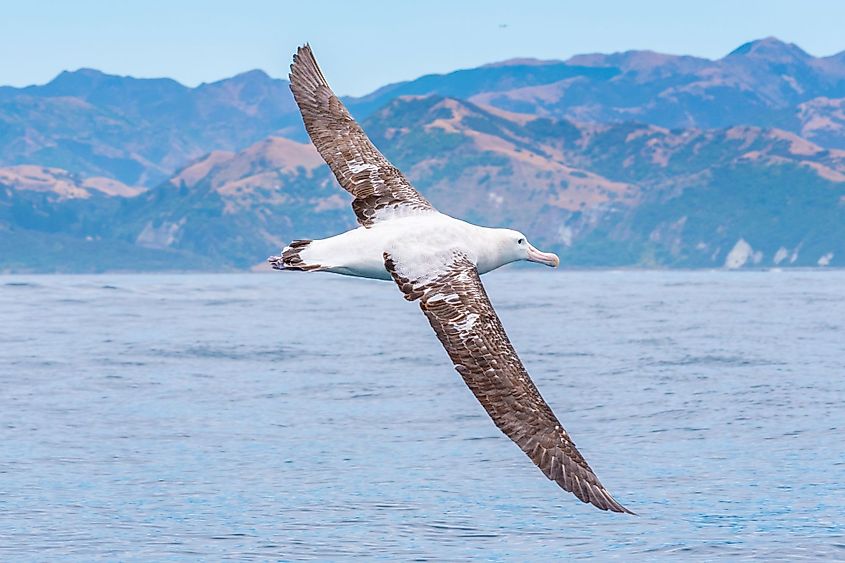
(305, 62)
(596, 495)
(562, 463)
(610, 503)
(302, 51)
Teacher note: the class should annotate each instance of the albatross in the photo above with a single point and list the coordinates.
(437, 260)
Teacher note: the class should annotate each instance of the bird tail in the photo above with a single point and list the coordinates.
(291, 258)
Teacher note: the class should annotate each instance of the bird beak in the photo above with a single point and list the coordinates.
(546, 258)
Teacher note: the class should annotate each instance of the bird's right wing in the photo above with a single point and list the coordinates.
(461, 315)
(380, 189)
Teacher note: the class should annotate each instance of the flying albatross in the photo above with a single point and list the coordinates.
(437, 260)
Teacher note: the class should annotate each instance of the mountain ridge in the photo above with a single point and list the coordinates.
(599, 194)
(140, 130)
(220, 175)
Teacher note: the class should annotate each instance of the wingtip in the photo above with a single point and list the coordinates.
(300, 52)
(626, 511)
(614, 506)
(304, 66)
(601, 498)
(303, 52)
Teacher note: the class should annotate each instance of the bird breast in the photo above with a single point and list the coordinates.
(412, 240)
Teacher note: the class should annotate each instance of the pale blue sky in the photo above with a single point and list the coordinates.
(363, 44)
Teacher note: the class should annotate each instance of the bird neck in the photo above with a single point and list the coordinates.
(491, 250)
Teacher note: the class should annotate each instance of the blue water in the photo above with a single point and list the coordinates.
(277, 417)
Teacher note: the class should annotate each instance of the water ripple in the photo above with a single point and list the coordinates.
(191, 417)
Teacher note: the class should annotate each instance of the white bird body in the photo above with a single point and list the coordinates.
(360, 252)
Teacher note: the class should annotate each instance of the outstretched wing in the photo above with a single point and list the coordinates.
(380, 189)
(460, 313)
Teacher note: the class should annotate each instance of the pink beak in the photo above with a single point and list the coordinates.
(546, 258)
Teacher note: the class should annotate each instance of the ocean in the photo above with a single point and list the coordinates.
(294, 416)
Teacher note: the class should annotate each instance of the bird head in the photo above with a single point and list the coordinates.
(517, 247)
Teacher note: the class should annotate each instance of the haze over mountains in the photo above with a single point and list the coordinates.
(628, 159)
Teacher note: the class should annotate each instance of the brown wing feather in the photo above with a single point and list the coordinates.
(464, 320)
(379, 188)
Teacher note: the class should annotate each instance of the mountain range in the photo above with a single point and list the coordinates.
(627, 159)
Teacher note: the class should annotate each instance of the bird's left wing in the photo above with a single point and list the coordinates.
(454, 300)
(381, 191)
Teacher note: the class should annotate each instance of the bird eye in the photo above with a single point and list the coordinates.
(521, 241)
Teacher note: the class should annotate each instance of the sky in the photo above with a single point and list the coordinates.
(364, 44)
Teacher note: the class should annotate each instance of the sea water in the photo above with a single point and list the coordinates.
(309, 416)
